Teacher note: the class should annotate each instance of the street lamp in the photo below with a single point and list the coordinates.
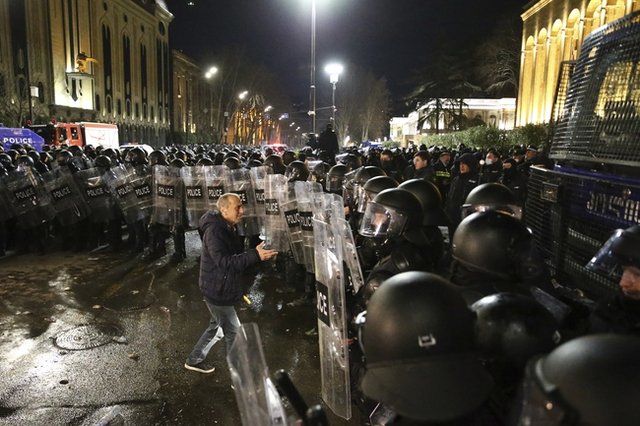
(211, 72)
(334, 70)
(312, 86)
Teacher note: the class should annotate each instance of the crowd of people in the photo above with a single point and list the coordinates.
(458, 321)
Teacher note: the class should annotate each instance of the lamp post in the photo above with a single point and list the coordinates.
(312, 86)
(334, 70)
(211, 72)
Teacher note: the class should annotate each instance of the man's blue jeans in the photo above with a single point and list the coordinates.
(224, 317)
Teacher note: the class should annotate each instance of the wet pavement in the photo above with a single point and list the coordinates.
(84, 336)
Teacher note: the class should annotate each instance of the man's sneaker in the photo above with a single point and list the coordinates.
(200, 368)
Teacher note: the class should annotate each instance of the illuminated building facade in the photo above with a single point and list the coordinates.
(87, 60)
(553, 32)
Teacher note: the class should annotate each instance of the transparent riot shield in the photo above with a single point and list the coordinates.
(353, 269)
(140, 178)
(289, 207)
(29, 198)
(216, 180)
(239, 182)
(195, 192)
(306, 192)
(117, 179)
(275, 228)
(258, 180)
(328, 231)
(6, 209)
(258, 400)
(96, 193)
(167, 196)
(66, 198)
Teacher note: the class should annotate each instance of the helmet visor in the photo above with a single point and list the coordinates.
(364, 197)
(381, 221)
(605, 261)
(510, 209)
(539, 406)
(334, 183)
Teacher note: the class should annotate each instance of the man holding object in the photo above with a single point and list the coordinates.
(222, 262)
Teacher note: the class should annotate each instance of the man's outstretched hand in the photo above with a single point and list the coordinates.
(265, 254)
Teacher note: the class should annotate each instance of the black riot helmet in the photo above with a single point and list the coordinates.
(496, 244)
(591, 380)
(363, 174)
(491, 196)
(157, 157)
(319, 173)
(64, 157)
(393, 212)
(275, 162)
(254, 162)
(136, 156)
(336, 177)
(113, 154)
(288, 157)
(430, 199)
(232, 163)
(371, 188)
(25, 161)
(621, 249)
(205, 161)
(6, 161)
(511, 328)
(352, 161)
(418, 341)
(102, 162)
(178, 163)
(296, 171)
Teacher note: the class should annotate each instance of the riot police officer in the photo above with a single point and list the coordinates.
(619, 257)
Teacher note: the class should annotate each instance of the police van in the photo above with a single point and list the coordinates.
(594, 187)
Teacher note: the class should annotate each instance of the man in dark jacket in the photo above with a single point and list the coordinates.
(222, 262)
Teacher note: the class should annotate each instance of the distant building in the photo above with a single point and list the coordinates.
(87, 60)
(553, 32)
(498, 113)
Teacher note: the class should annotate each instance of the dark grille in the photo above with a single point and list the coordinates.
(571, 214)
(600, 122)
(562, 87)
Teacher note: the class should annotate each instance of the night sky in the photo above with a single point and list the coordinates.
(388, 37)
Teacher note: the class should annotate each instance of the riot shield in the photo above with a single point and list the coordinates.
(117, 179)
(95, 191)
(29, 198)
(289, 207)
(140, 178)
(328, 231)
(6, 209)
(216, 179)
(258, 177)
(195, 191)
(353, 272)
(306, 192)
(167, 196)
(275, 229)
(66, 198)
(239, 182)
(258, 400)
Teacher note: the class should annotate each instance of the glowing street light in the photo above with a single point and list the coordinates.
(334, 70)
(243, 95)
(211, 72)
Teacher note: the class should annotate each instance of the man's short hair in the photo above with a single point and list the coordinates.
(223, 201)
(424, 155)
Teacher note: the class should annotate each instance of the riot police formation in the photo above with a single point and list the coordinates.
(427, 276)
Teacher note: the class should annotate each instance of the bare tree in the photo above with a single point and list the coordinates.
(363, 104)
(498, 58)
